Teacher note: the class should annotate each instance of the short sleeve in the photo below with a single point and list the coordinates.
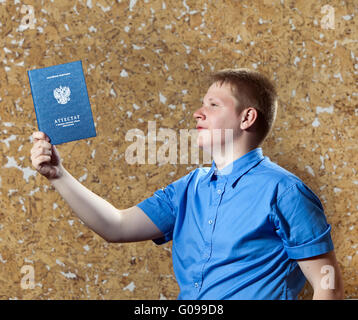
(301, 223)
(162, 208)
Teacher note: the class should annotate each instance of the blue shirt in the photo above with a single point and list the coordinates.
(238, 233)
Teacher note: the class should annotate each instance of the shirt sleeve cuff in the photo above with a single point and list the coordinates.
(320, 245)
(167, 237)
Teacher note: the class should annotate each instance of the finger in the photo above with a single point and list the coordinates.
(39, 135)
(40, 160)
(38, 150)
(37, 157)
(35, 152)
(55, 151)
(42, 144)
(36, 147)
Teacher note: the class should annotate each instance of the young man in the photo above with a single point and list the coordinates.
(244, 228)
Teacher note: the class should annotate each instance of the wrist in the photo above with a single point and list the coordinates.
(60, 174)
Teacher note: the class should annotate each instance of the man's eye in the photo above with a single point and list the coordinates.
(214, 105)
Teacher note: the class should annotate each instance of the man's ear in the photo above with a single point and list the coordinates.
(248, 118)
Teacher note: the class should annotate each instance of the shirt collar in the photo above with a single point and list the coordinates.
(235, 170)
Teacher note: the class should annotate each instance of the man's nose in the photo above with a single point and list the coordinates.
(199, 114)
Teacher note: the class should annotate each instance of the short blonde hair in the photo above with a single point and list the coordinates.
(251, 89)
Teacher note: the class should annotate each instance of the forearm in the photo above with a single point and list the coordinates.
(323, 274)
(98, 214)
(334, 291)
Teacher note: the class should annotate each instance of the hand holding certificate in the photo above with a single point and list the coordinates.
(45, 157)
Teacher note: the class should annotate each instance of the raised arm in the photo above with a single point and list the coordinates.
(111, 224)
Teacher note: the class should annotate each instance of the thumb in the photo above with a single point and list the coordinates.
(56, 154)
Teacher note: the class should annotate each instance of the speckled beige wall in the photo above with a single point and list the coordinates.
(145, 61)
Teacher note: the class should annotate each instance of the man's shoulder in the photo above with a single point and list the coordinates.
(276, 176)
(193, 175)
(273, 169)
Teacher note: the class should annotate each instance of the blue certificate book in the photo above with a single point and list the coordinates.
(61, 102)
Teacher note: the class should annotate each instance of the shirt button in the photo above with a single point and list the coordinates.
(196, 285)
(219, 191)
(210, 221)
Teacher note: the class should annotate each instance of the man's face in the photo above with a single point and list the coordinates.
(218, 112)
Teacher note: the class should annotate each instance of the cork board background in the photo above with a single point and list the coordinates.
(144, 61)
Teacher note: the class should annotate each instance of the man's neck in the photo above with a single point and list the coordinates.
(231, 155)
